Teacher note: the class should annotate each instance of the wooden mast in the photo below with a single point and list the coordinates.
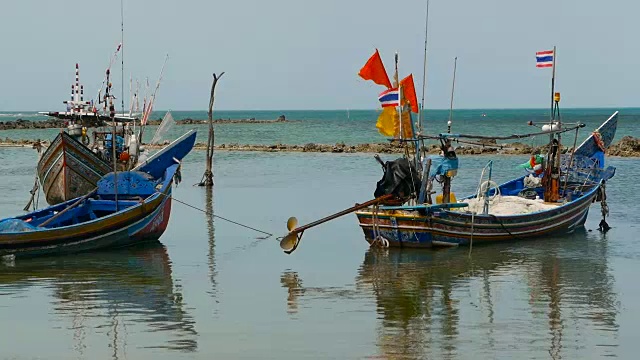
(551, 178)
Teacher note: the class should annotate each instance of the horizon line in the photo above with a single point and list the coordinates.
(377, 109)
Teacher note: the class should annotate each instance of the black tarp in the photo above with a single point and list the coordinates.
(397, 179)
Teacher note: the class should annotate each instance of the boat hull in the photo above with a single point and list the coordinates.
(454, 228)
(68, 169)
(144, 222)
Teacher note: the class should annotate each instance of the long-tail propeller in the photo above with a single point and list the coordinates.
(290, 242)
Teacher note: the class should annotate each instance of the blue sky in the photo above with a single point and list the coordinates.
(299, 54)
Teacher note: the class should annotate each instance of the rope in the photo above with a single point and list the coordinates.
(504, 228)
(604, 209)
(473, 214)
(377, 238)
(222, 218)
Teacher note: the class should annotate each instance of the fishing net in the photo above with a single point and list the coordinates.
(508, 205)
(166, 125)
(15, 225)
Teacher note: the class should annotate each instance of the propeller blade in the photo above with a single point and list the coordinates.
(289, 242)
(292, 223)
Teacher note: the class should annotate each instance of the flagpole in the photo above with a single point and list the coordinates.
(424, 68)
(553, 78)
(397, 84)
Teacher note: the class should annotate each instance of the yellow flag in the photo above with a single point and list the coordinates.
(387, 121)
(407, 132)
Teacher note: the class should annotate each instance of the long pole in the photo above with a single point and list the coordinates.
(453, 87)
(553, 79)
(341, 213)
(424, 68)
(122, 56)
(397, 84)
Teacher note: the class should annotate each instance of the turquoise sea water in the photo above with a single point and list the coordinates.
(210, 289)
(358, 126)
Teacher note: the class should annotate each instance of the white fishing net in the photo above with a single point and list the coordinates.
(508, 205)
(164, 127)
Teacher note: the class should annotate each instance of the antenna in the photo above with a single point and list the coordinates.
(122, 56)
(424, 68)
(453, 86)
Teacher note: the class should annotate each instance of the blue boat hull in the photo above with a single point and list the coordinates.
(453, 228)
(138, 211)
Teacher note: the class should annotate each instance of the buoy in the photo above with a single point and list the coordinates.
(124, 156)
(549, 127)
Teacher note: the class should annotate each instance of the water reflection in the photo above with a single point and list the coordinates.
(107, 293)
(550, 298)
(211, 257)
(420, 295)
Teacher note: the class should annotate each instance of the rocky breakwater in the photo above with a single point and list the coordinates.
(27, 124)
(387, 148)
(628, 146)
(190, 121)
(6, 142)
(379, 148)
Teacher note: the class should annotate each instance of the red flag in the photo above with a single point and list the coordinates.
(409, 92)
(374, 70)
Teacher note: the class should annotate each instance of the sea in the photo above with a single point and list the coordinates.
(221, 288)
(357, 126)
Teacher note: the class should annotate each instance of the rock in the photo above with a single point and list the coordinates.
(628, 146)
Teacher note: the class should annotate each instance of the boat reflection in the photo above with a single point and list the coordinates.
(108, 292)
(420, 295)
(551, 298)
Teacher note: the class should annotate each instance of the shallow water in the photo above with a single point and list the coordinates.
(211, 289)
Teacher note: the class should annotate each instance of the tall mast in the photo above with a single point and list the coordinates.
(424, 68)
(551, 178)
(112, 115)
(122, 56)
(396, 83)
(453, 86)
(553, 79)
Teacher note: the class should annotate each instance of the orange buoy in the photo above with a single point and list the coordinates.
(124, 156)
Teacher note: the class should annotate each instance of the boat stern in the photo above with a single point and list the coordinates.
(393, 229)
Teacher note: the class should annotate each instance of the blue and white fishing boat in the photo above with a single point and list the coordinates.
(126, 208)
(553, 198)
(516, 210)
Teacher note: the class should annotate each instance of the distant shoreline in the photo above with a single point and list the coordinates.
(22, 124)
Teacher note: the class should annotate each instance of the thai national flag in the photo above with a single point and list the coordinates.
(544, 59)
(389, 98)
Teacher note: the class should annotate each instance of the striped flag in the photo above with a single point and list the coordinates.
(389, 97)
(544, 59)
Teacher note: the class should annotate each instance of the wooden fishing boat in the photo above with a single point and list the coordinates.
(75, 161)
(126, 208)
(68, 169)
(451, 224)
(71, 166)
(554, 198)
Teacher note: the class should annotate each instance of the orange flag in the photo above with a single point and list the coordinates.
(374, 70)
(409, 92)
